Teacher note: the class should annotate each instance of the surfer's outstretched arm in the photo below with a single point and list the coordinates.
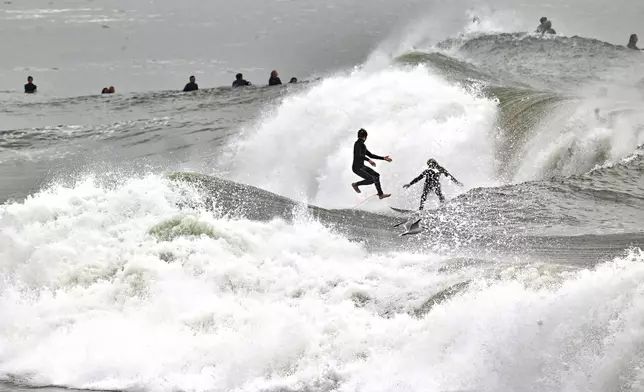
(373, 156)
(451, 177)
(415, 180)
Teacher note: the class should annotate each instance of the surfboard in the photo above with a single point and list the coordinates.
(401, 210)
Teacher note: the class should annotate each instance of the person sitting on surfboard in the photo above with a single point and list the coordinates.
(360, 154)
(432, 181)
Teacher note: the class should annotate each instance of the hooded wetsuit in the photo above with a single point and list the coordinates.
(432, 182)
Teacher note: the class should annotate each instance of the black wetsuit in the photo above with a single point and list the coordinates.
(191, 87)
(30, 88)
(274, 81)
(360, 155)
(432, 182)
(632, 46)
(240, 83)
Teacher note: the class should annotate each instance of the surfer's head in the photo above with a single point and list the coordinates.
(30, 79)
(192, 79)
(431, 162)
(274, 74)
(239, 76)
(362, 134)
(543, 20)
(633, 39)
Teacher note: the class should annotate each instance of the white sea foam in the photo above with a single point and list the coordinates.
(90, 299)
(303, 149)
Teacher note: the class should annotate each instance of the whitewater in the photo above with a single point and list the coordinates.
(160, 241)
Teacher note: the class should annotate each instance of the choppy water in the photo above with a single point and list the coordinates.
(155, 240)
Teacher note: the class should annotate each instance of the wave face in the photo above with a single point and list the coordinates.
(212, 241)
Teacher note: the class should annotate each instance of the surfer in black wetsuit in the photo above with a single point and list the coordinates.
(192, 86)
(360, 154)
(548, 28)
(239, 81)
(432, 181)
(632, 42)
(30, 87)
(542, 25)
(274, 79)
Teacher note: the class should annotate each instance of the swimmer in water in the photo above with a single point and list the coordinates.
(542, 25)
(30, 87)
(632, 42)
(192, 86)
(548, 28)
(274, 79)
(239, 81)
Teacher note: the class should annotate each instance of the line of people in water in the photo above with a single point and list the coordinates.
(239, 81)
(545, 27)
(192, 85)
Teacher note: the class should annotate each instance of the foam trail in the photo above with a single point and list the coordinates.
(304, 149)
(275, 306)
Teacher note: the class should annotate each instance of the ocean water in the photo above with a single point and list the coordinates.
(154, 240)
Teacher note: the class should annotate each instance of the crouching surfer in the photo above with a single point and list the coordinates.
(432, 181)
(370, 176)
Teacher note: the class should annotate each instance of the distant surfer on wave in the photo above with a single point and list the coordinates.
(274, 80)
(360, 155)
(545, 27)
(191, 86)
(432, 181)
(240, 81)
(632, 42)
(30, 87)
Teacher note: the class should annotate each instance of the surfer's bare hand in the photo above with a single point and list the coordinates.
(406, 186)
(387, 158)
(372, 163)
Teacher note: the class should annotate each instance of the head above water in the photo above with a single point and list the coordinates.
(633, 39)
(111, 90)
(362, 134)
(192, 79)
(239, 76)
(293, 80)
(274, 74)
(30, 79)
(543, 19)
(105, 90)
(431, 162)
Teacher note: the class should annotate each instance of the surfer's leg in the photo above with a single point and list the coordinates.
(364, 173)
(370, 177)
(423, 197)
(439, 193)
(376, 179)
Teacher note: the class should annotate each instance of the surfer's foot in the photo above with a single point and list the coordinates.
(355, 187)
(384, 196)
